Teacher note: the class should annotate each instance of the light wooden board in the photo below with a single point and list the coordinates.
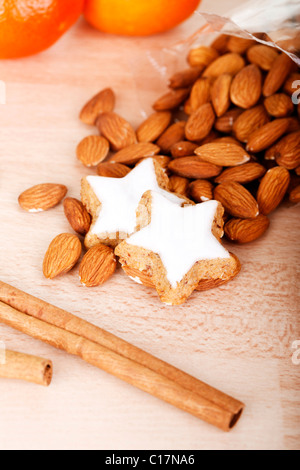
(238, 338)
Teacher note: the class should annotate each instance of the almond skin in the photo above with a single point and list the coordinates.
(194, 168)
(185, 78)
(202, 56)
(200, 123)
(222, 154)
(225, 123)
(220, 94)
(237, 200)
(239, 45)
(201, 190)
(92, 150)
(242, 174)
(287, 151)
(132, 154)
(175, 133)
(279, 105)
(249, 121)
(277, 75)
(266, 135)
(112, 170)
(246, 230)
(295, 195)
(62, 255)
(42, 197)
(272, 189)
(246, 87)
(116, 130)
(103, 102)
(152, 128)
(179, 185)
(97, 266)
(230, 63)
(261, 55)
(289, 85)
(171, 100)
(77, 215)
(183, 148)
(200, 94)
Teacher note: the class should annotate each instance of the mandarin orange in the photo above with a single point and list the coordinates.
(29, 27)
(137, 17)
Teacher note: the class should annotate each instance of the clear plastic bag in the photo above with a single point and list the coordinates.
(272, 22)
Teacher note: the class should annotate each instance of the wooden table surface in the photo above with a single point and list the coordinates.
(239, 337)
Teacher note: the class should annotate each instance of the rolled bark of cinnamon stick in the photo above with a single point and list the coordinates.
(21, 366)
(42, 310)
(119, 366)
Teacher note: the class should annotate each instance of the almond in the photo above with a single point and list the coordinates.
(201, 190)
(277, 75)
(246, 230)
(103, 102)
(202, 56)
(279, 105)
(194, 168)
(132, 154)
(237, 200)
(287, 151)
(295, 195)
(246, 87)
(178, 184)
(242, 174)
(220, 94)
(116, 130)
(227, 140)
(225, 123)
(249, 121)
(112, 170)
(185, 78)
(272, 189)
(152, 128)
(220, 43)
(200, 123)
(266, 135)
(183, 148)
(230, 63)
(297, 170)
(263, 56)
(92, 150)
(294, 124)
(97, 266)
(239, 45)
(200, 94)
(62, 255)
(174, 134)
(171, 100)
(77, 215)
(42, 197)
(222, 154)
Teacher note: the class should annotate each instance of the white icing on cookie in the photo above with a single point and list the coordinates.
(181, 236)
(120, 197)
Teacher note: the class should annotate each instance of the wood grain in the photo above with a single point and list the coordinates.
(238, 338)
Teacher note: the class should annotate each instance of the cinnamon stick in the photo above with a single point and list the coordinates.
(21, 366)
(119, 366)
(40, 309)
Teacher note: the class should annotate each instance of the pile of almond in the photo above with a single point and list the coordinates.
(227, 129)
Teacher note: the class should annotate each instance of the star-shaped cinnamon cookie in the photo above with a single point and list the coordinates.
(113, 202)
(177, 247)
